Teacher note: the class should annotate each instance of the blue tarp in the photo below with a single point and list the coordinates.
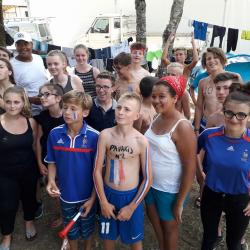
(235, 63)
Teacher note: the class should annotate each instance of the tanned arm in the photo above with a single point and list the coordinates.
(107, 208)
(185, 141)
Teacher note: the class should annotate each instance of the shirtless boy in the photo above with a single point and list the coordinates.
(180, 55)
(222, 82)
(138, 51)
(126, 81)
(214, 61)
(122, 189)
(147, 112)
(183, 104)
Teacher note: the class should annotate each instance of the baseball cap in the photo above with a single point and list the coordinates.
(22, 36)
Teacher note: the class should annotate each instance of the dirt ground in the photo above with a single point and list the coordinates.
(47, 239)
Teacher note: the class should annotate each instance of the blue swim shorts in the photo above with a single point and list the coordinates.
(84, 226)
(163, 201)
(130, 231)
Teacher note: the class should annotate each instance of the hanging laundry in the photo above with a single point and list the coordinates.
(245, 34)
(98, 53)
(98, 63)
(44, 47)
(103, 53)
(109, 66)
(218, 31)
(118, 48)
(130, 39)
(106, 53)
(53, 47)
(91, 53)
(200, 30)
(70, 55)
(36, 45)
(232, 39)
(153, 54)
(68, 51)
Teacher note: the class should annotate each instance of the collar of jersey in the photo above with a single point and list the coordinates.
(81, 132)
(245, 136)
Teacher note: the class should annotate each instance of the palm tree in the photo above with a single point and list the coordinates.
(175, 18)
(2, 31)
(140, 7)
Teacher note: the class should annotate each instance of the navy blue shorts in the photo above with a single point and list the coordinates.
(84, 226)
(130, 231)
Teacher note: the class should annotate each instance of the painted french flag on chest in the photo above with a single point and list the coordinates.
(117, 174)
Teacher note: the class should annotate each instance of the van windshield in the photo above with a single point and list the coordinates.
(101, 26)
(42, 30)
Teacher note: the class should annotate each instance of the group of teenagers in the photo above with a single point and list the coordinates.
(108, 142)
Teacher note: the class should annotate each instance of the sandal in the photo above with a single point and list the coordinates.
(197, 202)
(30, 235)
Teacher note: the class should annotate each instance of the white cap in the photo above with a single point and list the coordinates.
(22, 36)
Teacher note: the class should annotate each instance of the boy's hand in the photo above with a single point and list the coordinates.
(108, 210)
(87, 207)
(246, 211)
(178, 208)
(53, 190)
(125, 213)
(171, 37)
(43, 170)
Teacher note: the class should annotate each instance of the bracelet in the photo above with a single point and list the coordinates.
(196, 129)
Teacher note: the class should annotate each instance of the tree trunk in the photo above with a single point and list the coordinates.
(175, 18)
(2, 31)
(140, 7)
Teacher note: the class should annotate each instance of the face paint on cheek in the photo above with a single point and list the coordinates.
(74, 115)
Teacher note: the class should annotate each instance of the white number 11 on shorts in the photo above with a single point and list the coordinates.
(105, 227)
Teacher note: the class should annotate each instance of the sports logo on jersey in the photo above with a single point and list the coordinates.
(84, 141)
(231, 148)
(60, 141)
(244, 156)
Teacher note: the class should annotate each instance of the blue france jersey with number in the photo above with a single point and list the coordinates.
(74, 160)
(227, 161)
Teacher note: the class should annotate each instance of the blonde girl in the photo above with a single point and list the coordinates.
(18, 169)
(57, 64)
(85, 71)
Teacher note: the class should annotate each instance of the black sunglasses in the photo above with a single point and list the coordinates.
(45, 95)
(239, 116)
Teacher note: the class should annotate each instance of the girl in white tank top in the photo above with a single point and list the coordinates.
(173, 155)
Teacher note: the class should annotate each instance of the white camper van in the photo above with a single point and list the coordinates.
(37, 27)
(109, 29)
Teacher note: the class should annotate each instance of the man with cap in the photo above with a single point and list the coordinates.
(29, 71)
